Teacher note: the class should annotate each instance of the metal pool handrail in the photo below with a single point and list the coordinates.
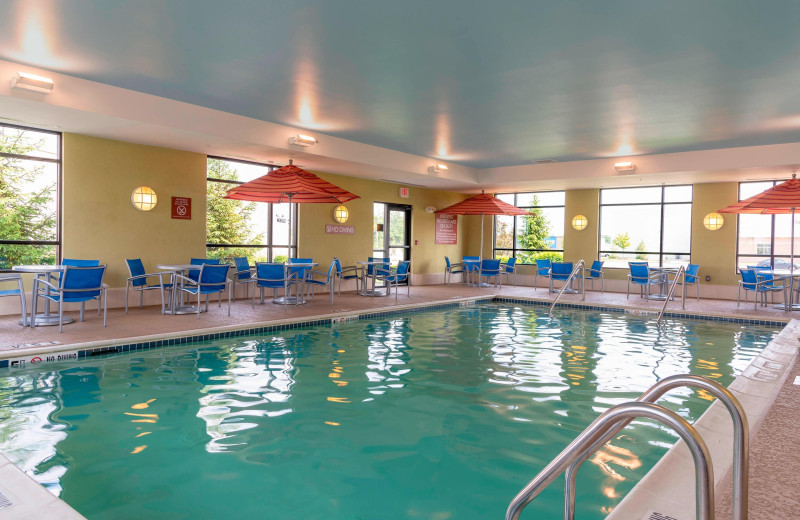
(580, 265)
(740, 449)
(680, 274)
(704, 473)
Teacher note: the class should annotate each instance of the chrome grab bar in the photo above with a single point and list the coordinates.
(680, 274)
(595, 436)
(580, 265)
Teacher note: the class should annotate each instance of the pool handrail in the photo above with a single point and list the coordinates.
(681, 274)
(741, 442)
(580, 265)
(704, 473)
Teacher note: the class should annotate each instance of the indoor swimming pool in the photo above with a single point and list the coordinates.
(436, 415)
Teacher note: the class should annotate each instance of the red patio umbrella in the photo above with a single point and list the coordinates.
(482, 204)
(783, 198)
(290, 184)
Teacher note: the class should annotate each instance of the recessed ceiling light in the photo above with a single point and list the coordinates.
(302, 140)
(27, 81)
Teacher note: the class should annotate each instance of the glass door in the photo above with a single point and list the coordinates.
(392, 232)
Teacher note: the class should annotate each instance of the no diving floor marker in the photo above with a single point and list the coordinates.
(5, 501)
(655, 515)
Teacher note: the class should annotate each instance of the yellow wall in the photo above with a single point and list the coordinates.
(581, 245)
(99, 220)
(715, 251)
(427, 257)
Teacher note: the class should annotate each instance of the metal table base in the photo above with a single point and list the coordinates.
(47, 320)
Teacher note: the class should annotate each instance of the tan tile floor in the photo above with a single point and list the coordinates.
(775, 461)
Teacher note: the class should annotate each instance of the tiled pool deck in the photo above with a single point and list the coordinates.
(147, 328)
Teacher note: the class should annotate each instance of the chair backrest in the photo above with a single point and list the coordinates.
(596, 270)
(383, 266)
(212, 274)
(447, 261)
(74, 262)
(9, 277)
(270, 274)
(194, 274)
(511, 264)
(639, 271)
(543, 267)
(639, 262)
(691, 273)
(332, 269)
(488, 264)
(560, 270)
(760, 273)
(749, 279)
(338, 265)
(300, 272)
(471, 262)
(402, 270)
(136, 268)
(243, 267)
(82, 277)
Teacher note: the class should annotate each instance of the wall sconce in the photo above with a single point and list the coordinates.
(580, 222)
(430, 209)
(33, 82)
(341, 214)
(625, 166)
(713, 221)
(144, 198)
(302, 140)
(437, 168)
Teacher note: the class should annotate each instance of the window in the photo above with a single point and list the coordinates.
(256, 230)
(652, 224)
(537, 235)
(765, 240)
(30, 171)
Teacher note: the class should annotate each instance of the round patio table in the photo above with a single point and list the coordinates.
(663, 286)
(792, 278)
(44, 318)
(375, 291)
(176, 303)
(295, 300)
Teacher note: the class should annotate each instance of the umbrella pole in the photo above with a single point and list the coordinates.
(290, 225)
(480, 254)
(791, 264)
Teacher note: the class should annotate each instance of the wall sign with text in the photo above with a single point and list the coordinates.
(338, 229)
(446, 229)
(182, 208)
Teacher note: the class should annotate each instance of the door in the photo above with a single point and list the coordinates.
(392, 232)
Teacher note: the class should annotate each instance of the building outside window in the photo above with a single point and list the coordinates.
(256, 230)
(30, 171)
(765, 240)
(653, 224)
(537, 235)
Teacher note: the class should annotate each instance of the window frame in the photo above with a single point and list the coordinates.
(772, 256)
(663, 205)
(514, 249)
(59, 164)
(269, 246)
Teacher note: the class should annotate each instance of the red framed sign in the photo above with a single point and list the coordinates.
(182, 208)
(446, 229)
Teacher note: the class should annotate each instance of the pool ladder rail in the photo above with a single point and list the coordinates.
(580, 266)
(613, 420)
(680, 275)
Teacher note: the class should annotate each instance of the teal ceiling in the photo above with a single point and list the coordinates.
(476, 82)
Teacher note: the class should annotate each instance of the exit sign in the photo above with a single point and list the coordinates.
(404, 193)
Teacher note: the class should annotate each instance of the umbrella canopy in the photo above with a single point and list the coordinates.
(783, 198)
(482, 204)
(290, 184)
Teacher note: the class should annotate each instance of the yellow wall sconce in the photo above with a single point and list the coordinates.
(713, 221)
(580, 222)
(144, 198)
(341, 214)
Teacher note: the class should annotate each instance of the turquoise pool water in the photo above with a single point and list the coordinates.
(432, 415)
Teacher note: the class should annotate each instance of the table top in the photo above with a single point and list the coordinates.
(367, 262)
(302, 264)
(38, 268)
(177, 267)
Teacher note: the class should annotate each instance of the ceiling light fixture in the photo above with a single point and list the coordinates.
(624, 166)
(302, 140)
(437, 168)
(33, 82)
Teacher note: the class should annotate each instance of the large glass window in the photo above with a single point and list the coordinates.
(537, 235)
(256, 230)
(765, 240)
(30, 168)
(652, 224)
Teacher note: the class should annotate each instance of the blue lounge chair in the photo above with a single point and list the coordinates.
(640, 275)
(325, 280)
(490, 268)
(243, 275)
(7, 277)
(542, 269)
(401, 275)
(351, 272)
(212, 279)
(275, 276)
(509, 269)
(76, 285)
(559, 272)
(451, 269)
(138, 281)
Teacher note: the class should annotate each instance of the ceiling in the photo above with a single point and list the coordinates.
(479, 84)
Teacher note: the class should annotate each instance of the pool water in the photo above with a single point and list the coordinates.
(431, 415)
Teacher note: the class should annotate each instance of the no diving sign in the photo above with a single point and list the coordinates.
(182, 208)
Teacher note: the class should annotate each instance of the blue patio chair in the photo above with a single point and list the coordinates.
(77, 285)
(275, 276)
(472, 266)
(243, 275)
(490, 268)
(75, 262)
(212, 279)
(195, 273)
(763, 274)
(329, 279)
(559, 272)
(692, 278)
(138, 280)
(352, 272)
(750, 282)
(10, 277)
(378, 269)
(640, 275)
(451, 269)
(542, 269)
(510, 268)
(401, 275)
(596, 273)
